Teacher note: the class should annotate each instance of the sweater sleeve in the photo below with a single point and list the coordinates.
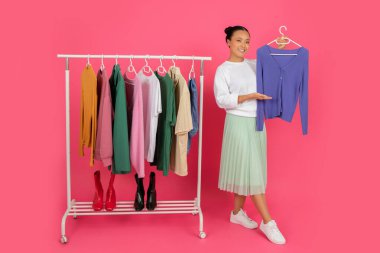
(223, 97)
(304, 96)
(94, 120)
(260, 89)
(81, 127)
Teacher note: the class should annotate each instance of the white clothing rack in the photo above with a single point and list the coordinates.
(76, 209)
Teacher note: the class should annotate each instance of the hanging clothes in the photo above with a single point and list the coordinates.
(88, 112)
(104, 147)
(194, 111)
(136, 129)
(152, 108)
(129, 90)
(166, 123)
(178, 155)
(121, 161)
(285, 79)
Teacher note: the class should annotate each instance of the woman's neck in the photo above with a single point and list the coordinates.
(233, 58)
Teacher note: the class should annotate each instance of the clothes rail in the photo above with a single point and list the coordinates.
(120, 56)
(76, 209)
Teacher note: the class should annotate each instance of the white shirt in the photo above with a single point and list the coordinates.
(152, 107)
(233, 79)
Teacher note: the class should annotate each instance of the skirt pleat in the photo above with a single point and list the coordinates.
(243, 165)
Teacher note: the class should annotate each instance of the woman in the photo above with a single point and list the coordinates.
(243, 166)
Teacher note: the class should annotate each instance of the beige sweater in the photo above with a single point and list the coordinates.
(184, 123)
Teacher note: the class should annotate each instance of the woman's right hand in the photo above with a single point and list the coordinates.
(260, 96)
(255, 95)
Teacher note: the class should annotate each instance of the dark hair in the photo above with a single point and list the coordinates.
(231, 29)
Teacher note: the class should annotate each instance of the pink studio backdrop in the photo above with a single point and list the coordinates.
(322, 188)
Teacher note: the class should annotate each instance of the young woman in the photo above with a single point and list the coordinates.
(243, 165)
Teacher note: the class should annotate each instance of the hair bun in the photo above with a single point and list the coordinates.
(228, 30)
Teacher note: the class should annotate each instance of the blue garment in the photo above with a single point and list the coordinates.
(194, 110)
(285, 79)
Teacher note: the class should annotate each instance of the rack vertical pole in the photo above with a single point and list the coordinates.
(68, 168)
(68, 176)
(200, 150)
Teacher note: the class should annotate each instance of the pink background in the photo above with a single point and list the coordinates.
(322, 188)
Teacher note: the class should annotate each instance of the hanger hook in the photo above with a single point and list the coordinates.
(88, 59)
(280, 30)
(117, 56)
(161, 59)
(130, 60)
(173, 60)
(192, 69)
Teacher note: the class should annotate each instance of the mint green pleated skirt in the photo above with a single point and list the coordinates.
(243, 165)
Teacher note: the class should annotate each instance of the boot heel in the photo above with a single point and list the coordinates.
(111, 195)
(151, 202)
(97, 203)
(139, 197)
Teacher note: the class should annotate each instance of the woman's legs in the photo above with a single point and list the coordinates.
(261, 206)
(238, 216)
(238, 202)
(269, 229)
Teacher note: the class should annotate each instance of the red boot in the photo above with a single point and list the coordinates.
(111, 197)
(97, 203)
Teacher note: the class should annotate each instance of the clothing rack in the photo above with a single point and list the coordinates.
(76, 209)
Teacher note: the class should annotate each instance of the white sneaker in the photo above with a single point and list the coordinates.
(272, 232)
(242, 218)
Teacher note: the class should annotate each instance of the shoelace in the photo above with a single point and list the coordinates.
(273, 229)
(245, 215)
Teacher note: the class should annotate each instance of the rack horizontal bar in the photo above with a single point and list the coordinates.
(126, 207)
(123, 56)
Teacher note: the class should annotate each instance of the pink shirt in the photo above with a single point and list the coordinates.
(103, 146)
(137, 127)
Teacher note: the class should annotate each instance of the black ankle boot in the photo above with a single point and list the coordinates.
(139, 198)
(151, 201)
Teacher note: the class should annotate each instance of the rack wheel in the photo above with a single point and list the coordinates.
(63, 239)
(202, 235)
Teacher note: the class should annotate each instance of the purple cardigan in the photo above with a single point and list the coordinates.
(285, 79)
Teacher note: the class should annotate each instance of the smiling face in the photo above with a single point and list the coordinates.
(239, 45)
